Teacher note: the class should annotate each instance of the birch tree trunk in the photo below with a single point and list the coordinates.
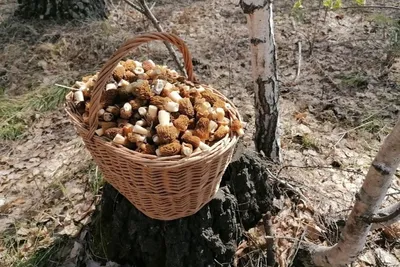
(62, 9)
(261, 30)
(368, 201)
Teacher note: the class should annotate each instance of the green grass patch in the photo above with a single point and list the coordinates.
(17, 112)
(51, 256)
(354, 80)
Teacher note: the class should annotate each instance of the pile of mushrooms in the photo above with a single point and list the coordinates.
(154, 110)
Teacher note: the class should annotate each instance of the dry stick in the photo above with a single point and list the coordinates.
(267, 220)
(299, 62)
(67, 87)
(145, 10)
(389, 215)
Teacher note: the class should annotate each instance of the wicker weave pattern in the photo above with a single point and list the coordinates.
(164, 188)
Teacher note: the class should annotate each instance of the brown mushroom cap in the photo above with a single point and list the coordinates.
(140, 89)
(181, 123)
(202, 129)
(159, 101)
(112, 132)
(167, 134)
(129, 65)
(119, 73)
(147, 149)
(221, 132)
(170, 149)
(236, 125)
(209, 96)
(186, 107)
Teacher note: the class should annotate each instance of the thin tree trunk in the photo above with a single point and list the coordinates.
(260, 23)
(368, 201)
(64, 9)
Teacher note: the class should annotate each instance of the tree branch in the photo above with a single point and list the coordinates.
(370, 196)
(137, 8)
(270, 241)
(145, 10)
(387, 216)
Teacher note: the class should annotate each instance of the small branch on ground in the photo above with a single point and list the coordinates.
(146, 11)
(385, 217)
(299, 62)
(270, 241)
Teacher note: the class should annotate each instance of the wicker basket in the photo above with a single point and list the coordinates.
(163, 188)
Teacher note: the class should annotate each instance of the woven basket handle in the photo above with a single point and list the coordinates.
(108, 68)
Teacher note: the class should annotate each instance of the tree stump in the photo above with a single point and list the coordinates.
(64, 9)
(123, 234)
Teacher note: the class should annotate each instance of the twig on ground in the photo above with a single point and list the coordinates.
(146, 11)
(386, 216)
(342, 135)
(299, 62)
(270, 241)
(66, 87)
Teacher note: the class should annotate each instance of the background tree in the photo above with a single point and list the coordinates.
(64, 9)
(261, 32)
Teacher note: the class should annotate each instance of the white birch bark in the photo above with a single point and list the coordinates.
(261, 31)
(368, 201)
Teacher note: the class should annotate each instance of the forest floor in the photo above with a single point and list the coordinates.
(334, 113)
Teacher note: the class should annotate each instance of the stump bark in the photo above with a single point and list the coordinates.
(64, 9)
(123, 234)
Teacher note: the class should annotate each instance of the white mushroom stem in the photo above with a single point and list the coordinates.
(140, 130)
(204, 147)
(139, 138)
(172, 107)
(107, 116)
(224, 121)
(207, 104)
(127, 107)
(220, 114)
(164, 117)
(138, 64)
(158, 153)
(138, 70)
(99, 131)
(123, 83)
(111, 86)
(119, 139)
(200, 89)
(174, 95)
(158, 87)
(78, 96)
(156, 139)
(228, 106)
(152, 112)
(101, 112)
(187, 150)
(212, 127)
(240, 132)
(142, 111)
(141, 123)
(168, 86)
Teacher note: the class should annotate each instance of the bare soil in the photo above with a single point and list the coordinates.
(334, 114)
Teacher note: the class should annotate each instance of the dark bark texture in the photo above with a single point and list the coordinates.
(62, 9)
(208, 238)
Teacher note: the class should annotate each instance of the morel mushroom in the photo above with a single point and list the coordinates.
(148, 65)
(129, 65)
(135, 138)
(236, 126)
(126, 111)
(112, 132)
(113, 110)
(140, 89)
(147, 149)
(181, 123)
(119, 72)
(186, 107)
(194, 141)
(166, 134)
(202, 129)
(209, 96)
(170, 149)
(221, 132)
